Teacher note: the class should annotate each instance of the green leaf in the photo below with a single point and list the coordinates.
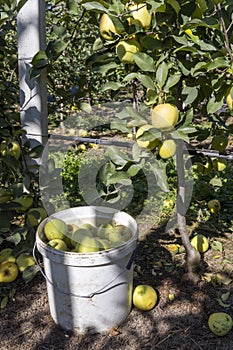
(86, 107)
(213, 105)
(179, 135)
(111, 85)
(172, 80)
(146, 81)
(119, 125)
(119, 177)
(30, 272)
(117, 156)
(133, 169)
(144, 62)
(4, 302)
(15, 238)
(161, 74)
(216, 245)
(93, 6)
(59, 46)
(40, 60)
(218, 62)
(191, 92)
(175, 4)
(36, 152)
(159, 170)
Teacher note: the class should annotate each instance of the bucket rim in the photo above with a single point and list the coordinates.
(92, 257)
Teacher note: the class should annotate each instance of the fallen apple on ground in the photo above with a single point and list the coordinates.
(220, 323)
(144, 297)
(8, 272)
(200, 243)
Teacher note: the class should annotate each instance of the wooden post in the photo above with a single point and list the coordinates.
(31, 25)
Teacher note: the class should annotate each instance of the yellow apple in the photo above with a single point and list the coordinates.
(55, 228)
(200, 243)
(220, 323)
(103, 229)
(214, 206)
(229, 99)
(6, 255)
(36, 215)
(89, 227)
(104, 244)
(219, 142)
(78, 236)
(12, 148)
(164, 116)
(219, 164)
(144, 297)
(88, 245)
(140, 16)
(24, 260)
(126, 49)
(58, 244)
(167, 149)
(107, 28)
(8, 272)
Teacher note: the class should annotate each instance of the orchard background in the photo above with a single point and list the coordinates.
(183, 56)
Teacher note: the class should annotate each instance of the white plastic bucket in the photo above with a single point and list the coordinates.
(89, 292)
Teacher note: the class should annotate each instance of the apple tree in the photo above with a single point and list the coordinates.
(171, 55)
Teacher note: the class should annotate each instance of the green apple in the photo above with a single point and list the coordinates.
(8, 271)
(89, 227)
(55, 228)
(117, 244)
(71, 228)
(58, 244)
(103, 229)
(36, 215)
(88, 245)
(78, 236)
(220, 323)
(24, 260)
(6, 255)
(104, 244)
(123, 231)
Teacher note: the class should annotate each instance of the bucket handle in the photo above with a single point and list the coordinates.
(104, 289)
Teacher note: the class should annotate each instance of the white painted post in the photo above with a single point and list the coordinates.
(31, 25)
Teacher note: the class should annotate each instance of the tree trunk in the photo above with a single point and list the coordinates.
(192, 258)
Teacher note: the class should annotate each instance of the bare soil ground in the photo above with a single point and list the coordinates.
(180, 324)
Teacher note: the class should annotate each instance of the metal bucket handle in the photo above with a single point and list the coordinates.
(91, 295)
